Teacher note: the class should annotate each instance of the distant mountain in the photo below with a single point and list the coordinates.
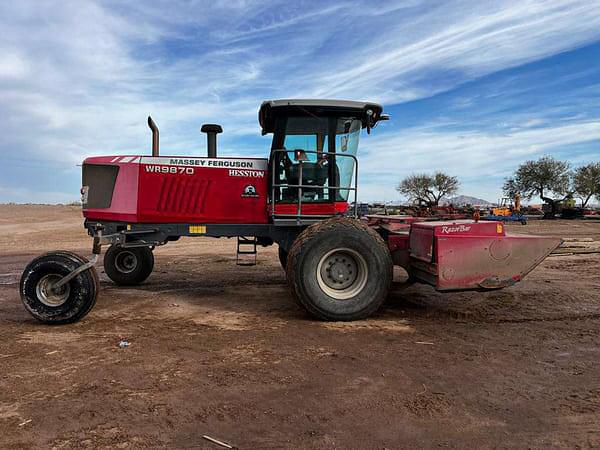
(462, 200)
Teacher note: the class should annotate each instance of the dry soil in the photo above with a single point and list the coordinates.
(222, 350)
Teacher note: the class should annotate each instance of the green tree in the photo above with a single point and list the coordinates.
(586, 182)
(428, 190)
(510, 188)
(548, 178)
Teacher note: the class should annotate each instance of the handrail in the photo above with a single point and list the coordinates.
(301, 186)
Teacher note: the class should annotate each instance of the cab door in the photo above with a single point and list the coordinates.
(312, 167)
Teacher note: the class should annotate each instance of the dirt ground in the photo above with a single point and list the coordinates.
(222, 350)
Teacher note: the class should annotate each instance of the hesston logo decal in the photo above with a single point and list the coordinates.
(250, 191)
(246, 173)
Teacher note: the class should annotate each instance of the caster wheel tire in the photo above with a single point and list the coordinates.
(69, 303)
(128, 266)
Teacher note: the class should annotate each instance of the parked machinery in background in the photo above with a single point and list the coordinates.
(507, 211)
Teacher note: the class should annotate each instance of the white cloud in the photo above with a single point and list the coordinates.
(12, 65)
(532, 123)
(480, 159)
(472, 38)
(79, 77)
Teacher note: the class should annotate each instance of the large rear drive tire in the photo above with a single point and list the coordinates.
(128, 266)
(339, 269)
(70, 303)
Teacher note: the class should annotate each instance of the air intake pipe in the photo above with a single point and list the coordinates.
(154, 129)
(211, 131)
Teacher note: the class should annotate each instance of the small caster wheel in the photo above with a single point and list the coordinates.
(128, 266)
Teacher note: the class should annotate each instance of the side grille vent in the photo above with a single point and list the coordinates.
(183, 195)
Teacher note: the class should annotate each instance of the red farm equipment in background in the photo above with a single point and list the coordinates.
(338, 268)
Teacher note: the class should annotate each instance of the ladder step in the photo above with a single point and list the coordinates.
(246, 246)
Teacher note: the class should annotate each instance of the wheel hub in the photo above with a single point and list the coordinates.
(126, 262)
(342, 273)
(47, 295)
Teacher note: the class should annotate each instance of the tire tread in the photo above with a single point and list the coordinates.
(299, 246)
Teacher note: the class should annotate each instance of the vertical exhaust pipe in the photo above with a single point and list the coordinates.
(211, 131)
(154, 129)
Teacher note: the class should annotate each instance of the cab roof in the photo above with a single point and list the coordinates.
(369, 113)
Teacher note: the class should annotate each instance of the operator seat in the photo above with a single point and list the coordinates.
(313, 174)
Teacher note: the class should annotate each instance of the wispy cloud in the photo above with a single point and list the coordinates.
(482, 159)
(457, 42)
(78, 77)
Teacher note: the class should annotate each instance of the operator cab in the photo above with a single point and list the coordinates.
(313, 163)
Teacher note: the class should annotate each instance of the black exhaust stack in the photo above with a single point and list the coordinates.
(211, 131)
(154, 129)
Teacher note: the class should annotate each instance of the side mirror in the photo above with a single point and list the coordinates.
(369, 120)
(347, 125)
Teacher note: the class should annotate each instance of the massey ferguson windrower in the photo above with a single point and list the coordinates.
(337, 267)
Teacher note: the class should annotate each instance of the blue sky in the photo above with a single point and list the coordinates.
(473, 87)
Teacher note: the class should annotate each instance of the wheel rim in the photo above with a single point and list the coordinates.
(126, 261)
(342, 273)
(47, 296)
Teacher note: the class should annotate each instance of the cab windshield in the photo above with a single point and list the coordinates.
(325, 147)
